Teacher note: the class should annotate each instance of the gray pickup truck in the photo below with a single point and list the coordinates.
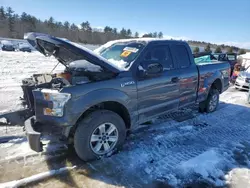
(106, 92)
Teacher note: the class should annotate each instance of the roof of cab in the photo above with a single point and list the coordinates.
(145, 40)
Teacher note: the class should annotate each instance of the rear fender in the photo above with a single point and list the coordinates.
(206, 82)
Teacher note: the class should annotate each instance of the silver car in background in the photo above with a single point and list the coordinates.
(243, 80)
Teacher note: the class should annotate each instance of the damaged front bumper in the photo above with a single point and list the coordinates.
(32, 135)
(60, 134)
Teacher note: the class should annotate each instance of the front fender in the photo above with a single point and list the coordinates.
(82, 103)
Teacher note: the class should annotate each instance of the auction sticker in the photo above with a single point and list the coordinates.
(125, 53)
(130, 49)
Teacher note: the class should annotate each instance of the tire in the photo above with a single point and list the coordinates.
(89, 135)
(205, 105)
(214, 93)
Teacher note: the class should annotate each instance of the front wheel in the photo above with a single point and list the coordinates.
(100, 133)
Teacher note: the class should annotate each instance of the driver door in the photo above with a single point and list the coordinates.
(158, 93)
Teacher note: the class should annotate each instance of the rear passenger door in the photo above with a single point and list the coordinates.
(188, 74)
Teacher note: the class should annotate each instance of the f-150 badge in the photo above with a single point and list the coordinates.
(127, 83)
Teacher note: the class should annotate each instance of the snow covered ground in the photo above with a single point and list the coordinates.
(213, 149)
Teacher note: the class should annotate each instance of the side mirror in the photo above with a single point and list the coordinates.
(153, 69)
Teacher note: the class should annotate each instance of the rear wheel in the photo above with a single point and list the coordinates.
(211, 104)
(100, 133)
(212, 100)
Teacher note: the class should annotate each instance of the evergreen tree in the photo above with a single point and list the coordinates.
(123, 32)
(160, 35)
(208, 49)
(73, 27)
(2, 13)
(51, 23)
(86, 26)
(218, 49)
(150, 35)
(136, 34)
(114, 30)
(196, 50)
(66, 25)
(59, 25)
(24, 17)
(230, 50)
(11, 20)
(129, 33)
(107, 29)
(155, 35)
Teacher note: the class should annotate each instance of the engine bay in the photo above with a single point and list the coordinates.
(54, 81)
(67, 78)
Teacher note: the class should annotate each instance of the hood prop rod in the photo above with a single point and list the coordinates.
(54, 68)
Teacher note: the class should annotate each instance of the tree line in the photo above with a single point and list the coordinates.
(218, 49)
(13, 25)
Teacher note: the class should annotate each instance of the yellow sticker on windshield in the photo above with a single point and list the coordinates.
(125, 53)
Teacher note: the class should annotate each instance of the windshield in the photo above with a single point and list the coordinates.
(122, 53)
(23, 46)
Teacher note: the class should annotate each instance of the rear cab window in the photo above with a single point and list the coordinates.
(231, 57)
(181, 55)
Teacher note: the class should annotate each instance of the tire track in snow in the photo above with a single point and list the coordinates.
(145, 156)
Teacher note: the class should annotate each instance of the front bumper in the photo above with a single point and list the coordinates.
(32, 135)
(241, 84)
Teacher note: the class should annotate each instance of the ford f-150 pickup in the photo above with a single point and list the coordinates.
(106, 92)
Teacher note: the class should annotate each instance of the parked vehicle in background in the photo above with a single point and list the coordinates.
(229, 57)
(243, 80)
(24, 47)
(124, 83)
(7, 46)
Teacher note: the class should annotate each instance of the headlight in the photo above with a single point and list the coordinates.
(58, 100)
(240, 77)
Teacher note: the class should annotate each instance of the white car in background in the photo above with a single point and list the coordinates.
(243, 80)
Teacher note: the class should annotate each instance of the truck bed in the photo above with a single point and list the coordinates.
(209, 71)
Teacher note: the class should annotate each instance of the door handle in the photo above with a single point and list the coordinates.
(175, 79)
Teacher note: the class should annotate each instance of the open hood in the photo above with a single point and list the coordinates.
(66, 51)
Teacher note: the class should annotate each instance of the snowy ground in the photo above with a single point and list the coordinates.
(207, 150)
